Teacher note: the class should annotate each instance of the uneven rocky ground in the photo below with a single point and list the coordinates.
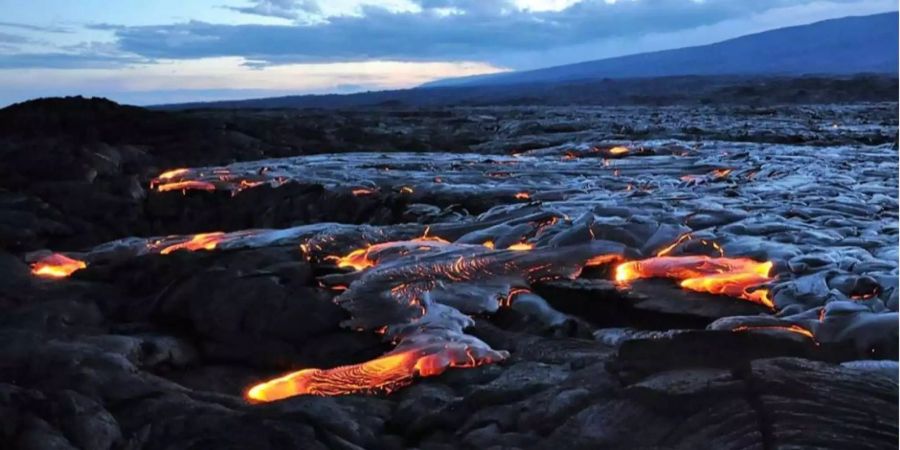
(494, 261)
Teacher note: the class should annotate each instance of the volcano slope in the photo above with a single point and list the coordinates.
(605, 292)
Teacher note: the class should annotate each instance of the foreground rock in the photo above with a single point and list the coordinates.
(150, 345)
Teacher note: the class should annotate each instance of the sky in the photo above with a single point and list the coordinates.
(166, 51)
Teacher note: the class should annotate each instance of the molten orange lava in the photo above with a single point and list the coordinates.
(363, 191)
(357, 259)
(204, 241)
(362, 258)
(523, 195)
(734, 277)
(56, 266)
(185, 185)
(168, 175)
(618, 150)
(384, 374)
(669, 248)
(521, 246)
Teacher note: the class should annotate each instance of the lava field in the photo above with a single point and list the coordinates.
(602, 290)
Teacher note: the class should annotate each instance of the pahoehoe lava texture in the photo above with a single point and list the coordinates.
(468, 299)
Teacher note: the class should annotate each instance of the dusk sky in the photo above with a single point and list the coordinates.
(146, 52)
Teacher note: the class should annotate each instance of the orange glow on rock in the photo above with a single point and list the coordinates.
(508, 300)
(202, 241)
(669, 248)
(168, 175)
(791, 328)
(734, 277)
(56, 265)
(600, 260)
(721, 173)
(522, 196)
(618, 150)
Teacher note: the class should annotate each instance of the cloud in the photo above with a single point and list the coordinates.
(60, 60)
(85, 55)
(7, 38)
(224, 78)
(284, 9)
(39, 28)
(477, 30)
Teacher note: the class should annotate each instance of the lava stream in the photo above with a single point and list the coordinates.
(204, 241)
(56, 265)
(364, 258)
(381, 375)
(185, 185)
(735, 277)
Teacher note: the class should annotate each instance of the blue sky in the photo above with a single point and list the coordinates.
(146, 52)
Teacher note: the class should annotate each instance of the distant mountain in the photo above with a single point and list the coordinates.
(685, 90)
(836, 47)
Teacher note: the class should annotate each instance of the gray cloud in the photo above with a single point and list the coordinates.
(81, 56)
(63, 61)
(485, 31)
(40, 28)
(8, 38)
(285, 9)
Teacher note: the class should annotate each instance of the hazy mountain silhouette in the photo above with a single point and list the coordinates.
(839, 46)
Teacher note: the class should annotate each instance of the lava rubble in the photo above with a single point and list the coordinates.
(539, 286)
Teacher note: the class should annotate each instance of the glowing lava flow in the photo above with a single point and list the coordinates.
(381, 375)
(520, 247)
(168, 175)
(363, 191)
(186, 185)
(734, 277)
(56, 266)
(364, 258)
(204, 241)
(601, 260)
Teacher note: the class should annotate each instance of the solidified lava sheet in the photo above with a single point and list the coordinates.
(628, 293)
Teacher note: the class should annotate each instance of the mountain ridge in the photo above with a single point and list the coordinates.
(782, 51)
